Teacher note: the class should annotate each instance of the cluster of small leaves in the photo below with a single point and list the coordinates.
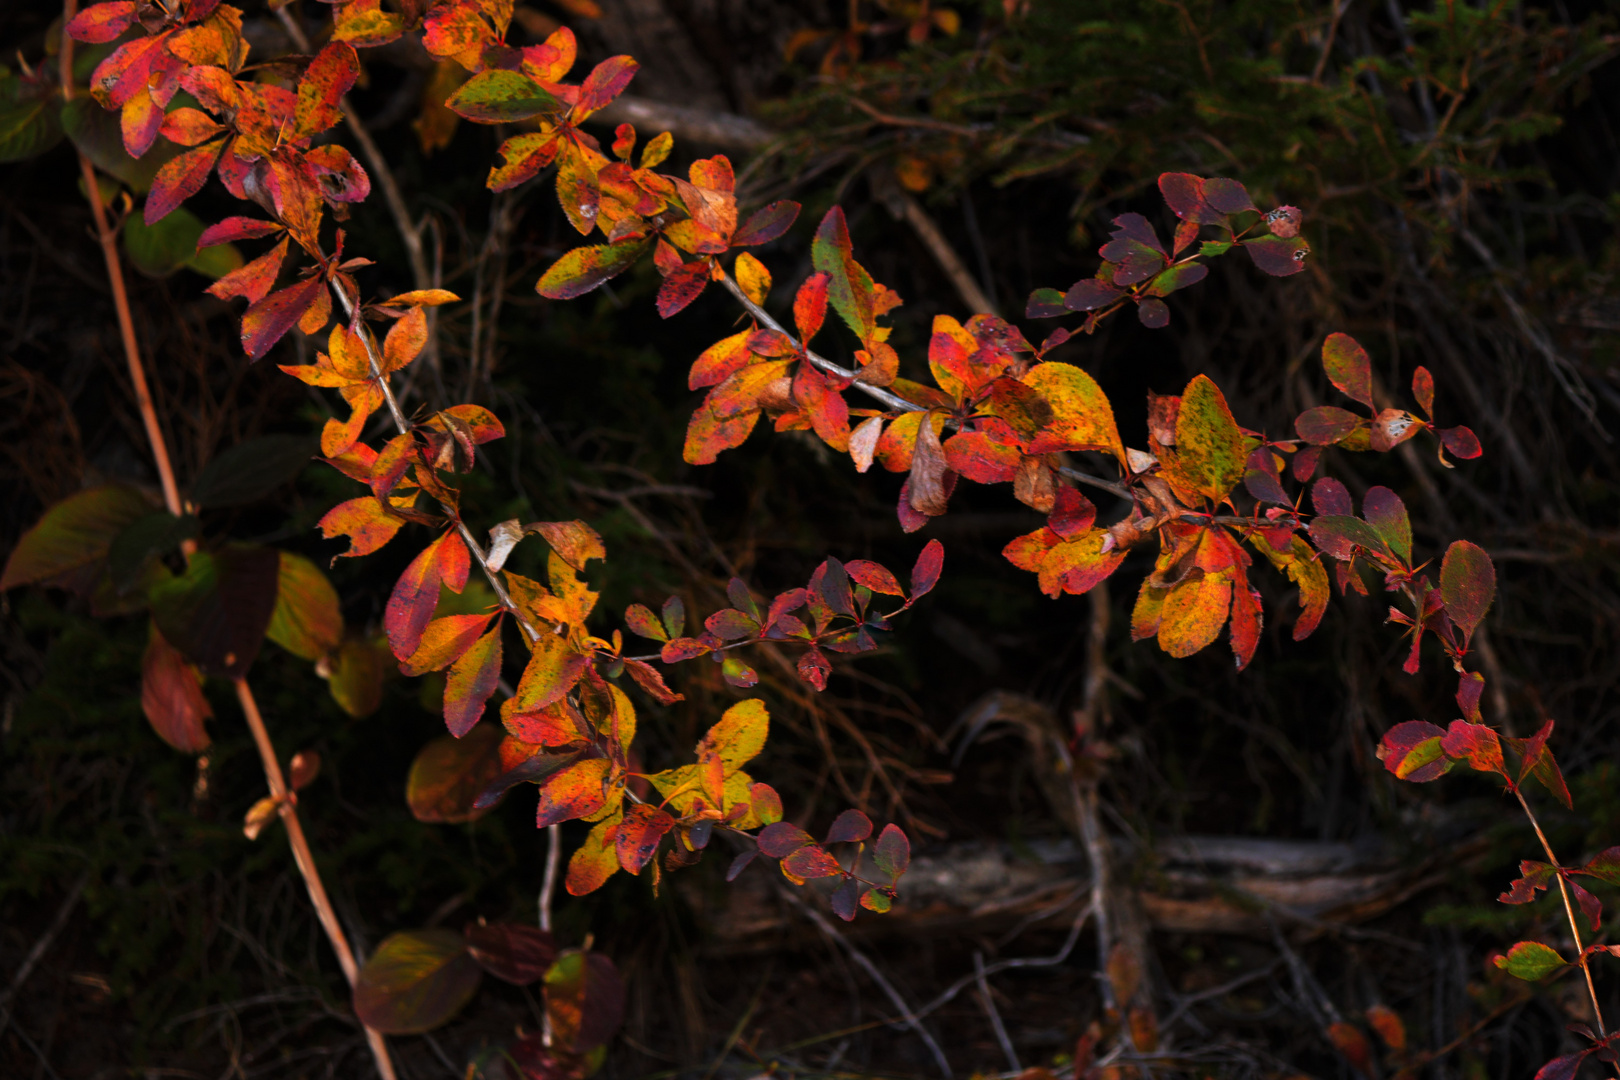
(803, 859)
(837, 604)
(419, 979)
(1138, 269)
(1350, 370)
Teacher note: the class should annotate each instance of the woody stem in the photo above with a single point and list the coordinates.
(302, 855)
(374, 359)
(1569, 912)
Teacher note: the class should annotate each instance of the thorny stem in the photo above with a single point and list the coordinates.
(302, 855)
(1569, 912)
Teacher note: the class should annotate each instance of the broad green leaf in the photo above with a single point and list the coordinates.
(1530, 960)
(502, 97)
(415, 981)
(357, 672)
(307, 620)
(96, 132)
(154, 534)
(73, 537)
(29, 126)
(161, 249)
(584, 268)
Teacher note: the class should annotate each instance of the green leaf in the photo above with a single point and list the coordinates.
(29, 126)
(152, 535)
(415, 981)
(1530, 960)
(307, 621)
(96, 132)
(584, 268)
(217, 611)
(159, 250)
(1211, 248)
(502, 97)
(66, 545)
(252, 468)
(357, 673)
(216, 261)
(1210, 448)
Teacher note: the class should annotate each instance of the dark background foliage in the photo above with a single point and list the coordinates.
(1459, 169)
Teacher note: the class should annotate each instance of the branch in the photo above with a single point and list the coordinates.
(302, 855)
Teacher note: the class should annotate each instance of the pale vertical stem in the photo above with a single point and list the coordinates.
(115, 278)
(548, 886)
(1569, 913)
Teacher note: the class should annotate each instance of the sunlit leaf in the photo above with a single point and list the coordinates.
(415, 981)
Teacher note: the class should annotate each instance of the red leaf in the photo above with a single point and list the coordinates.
(1326, 424)
(1153, 314)
(1605, 866)
(1185, 194)
(1386, 513)
(1467, 585)
(1246, 620)
(180, 179)
(849, 287)
(730, 624)
(1534, 875)
(1536, 760)
(1413, 751)
(811, 861)
(813, 668)
(849, 827)
(328, 77)
(103, 22)
(892, 852)
(416, 593)
(605, 82)
(512, 952)
(238, 228)
(1072, 513)
(810, 306)
(1331, 497)
(1476, 745)
(1470, 685)
(825, 406)
(471, 682)
(925, 574)
(268, 320)
(1090, 295)
(639, 833)
(1460, 441)
(1276, 256)
(1227, 196)
(782, 839)
(1562, 1068)
(1423, 390)
(255, 280)
(766, 224)
(874, 577)
(1590, 905)
(364, 521)
(172, 697)
(682, 287)
(574, 792)
(1353, 1045)
(1348, 367)
(648, 678)
(982, 457)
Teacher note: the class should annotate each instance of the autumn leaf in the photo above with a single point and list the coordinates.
(322, 86)
(1210, 449)
(416, 594)
(1082, 417)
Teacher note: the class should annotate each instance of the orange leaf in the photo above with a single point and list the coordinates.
(364, 521)
(595, 861)
(575, 792)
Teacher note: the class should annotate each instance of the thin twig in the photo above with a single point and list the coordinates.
(1569, 913)
(907, 1017)
(41, 947)
(990, 1011)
